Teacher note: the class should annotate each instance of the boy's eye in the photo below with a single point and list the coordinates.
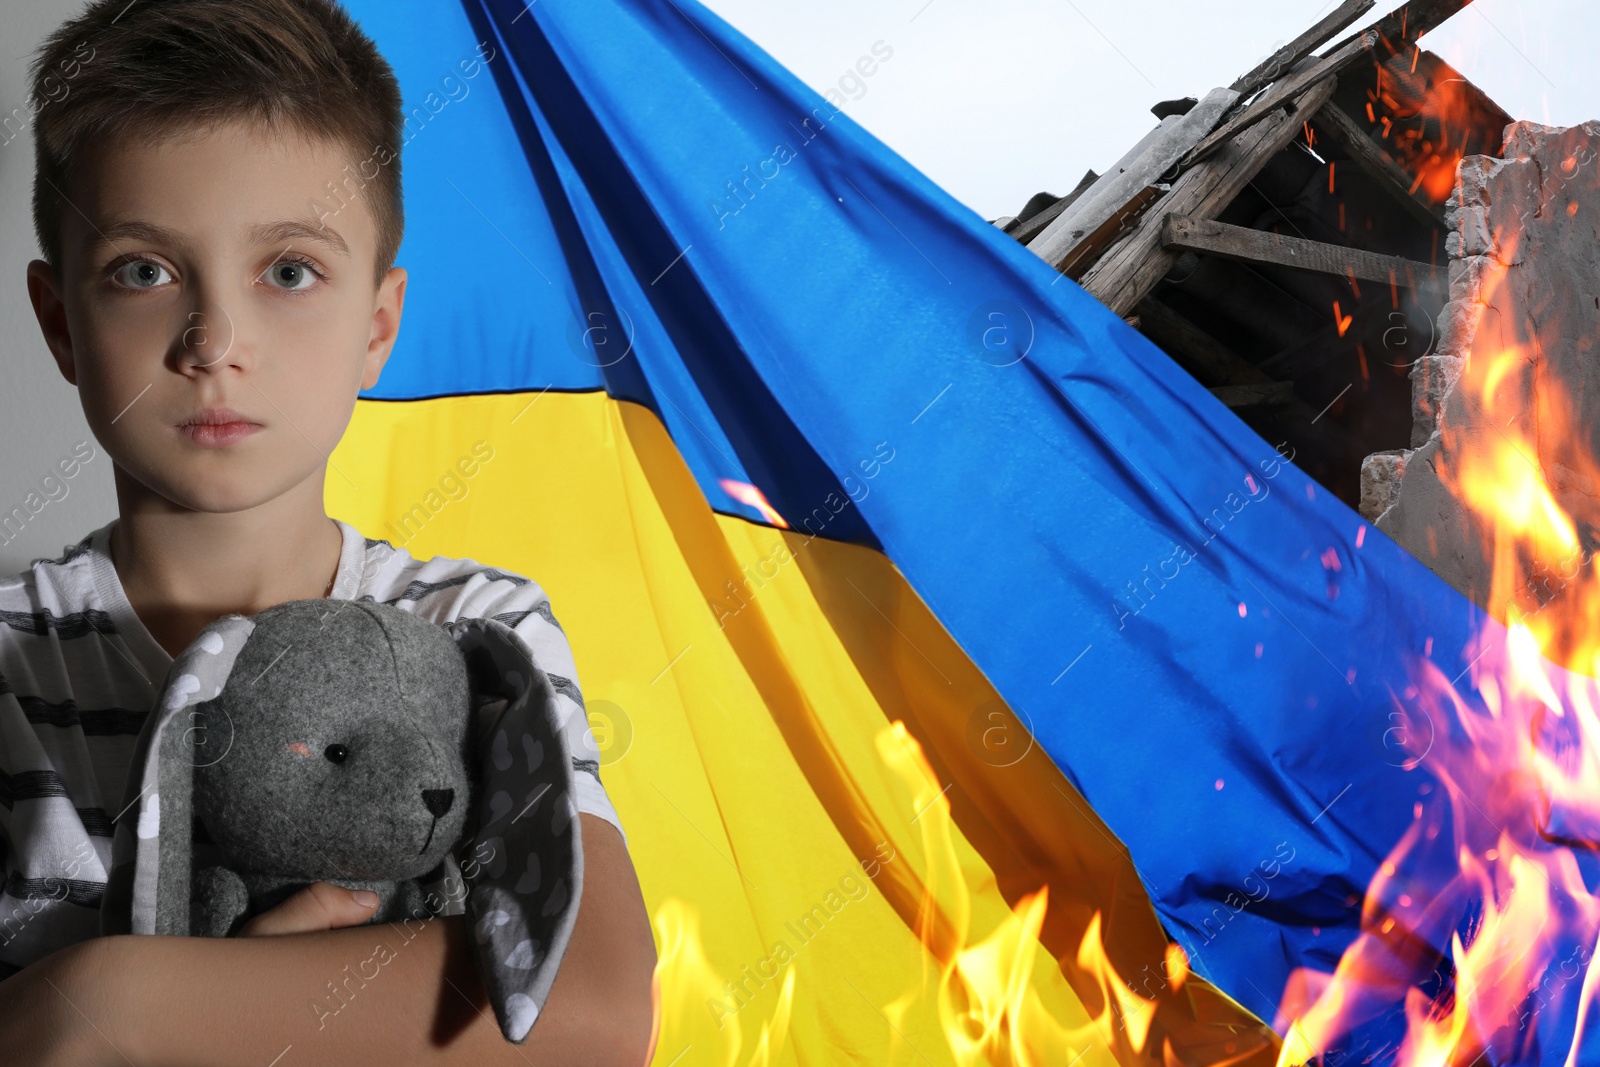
(140, 274)
(292, 274)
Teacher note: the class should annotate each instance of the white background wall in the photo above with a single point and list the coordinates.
(993, 99)
(40, 420)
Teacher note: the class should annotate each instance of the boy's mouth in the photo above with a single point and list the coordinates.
(217, 427)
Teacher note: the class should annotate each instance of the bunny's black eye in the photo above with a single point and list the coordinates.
(336, 753)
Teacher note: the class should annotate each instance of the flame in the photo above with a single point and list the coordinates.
(685, 982)
(988, 1006)
(1467, 956)
(1480, 931)
(1532, 528)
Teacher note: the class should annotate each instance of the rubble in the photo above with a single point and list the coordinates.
(1525, 276)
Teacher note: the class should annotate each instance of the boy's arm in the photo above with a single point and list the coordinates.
(197, 1002)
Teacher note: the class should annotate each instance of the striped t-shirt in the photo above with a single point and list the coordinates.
(79, 672)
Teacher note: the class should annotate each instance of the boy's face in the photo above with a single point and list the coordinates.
(195, 275)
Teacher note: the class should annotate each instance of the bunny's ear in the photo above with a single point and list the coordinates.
(147, 888)
(524, 864)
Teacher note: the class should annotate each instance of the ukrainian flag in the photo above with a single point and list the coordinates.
(904, 579)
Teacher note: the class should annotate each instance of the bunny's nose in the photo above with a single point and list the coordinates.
(438, 800)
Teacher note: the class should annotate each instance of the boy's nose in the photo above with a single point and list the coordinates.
(438, 800)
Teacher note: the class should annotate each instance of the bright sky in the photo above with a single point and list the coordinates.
(998, 99)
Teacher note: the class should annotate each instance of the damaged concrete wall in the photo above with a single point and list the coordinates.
(1524, 280)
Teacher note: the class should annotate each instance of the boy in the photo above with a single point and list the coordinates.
(218, 337)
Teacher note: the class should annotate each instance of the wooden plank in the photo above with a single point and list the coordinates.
(1402, 27)
(1059, 242)
(1251, 396)
(1332, 120)
(1282, 93)
(1258, 246)
(1132, 266)
(1279, 63)
(1088, 249)
(1202, 355)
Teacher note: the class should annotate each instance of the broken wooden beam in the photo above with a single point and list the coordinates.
(1202, 355)
(1107, 198)
(1332, 120)
(1245, 245)
(1131, 267)
(1252, 396)
(1282, 94)
(1280, 62)
(1402, 27)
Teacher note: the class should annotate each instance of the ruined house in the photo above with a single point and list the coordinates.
(1287, 240)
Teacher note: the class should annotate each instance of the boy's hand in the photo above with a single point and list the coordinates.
(319, 906)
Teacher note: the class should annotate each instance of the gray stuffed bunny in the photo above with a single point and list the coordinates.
(337, 753)
(355, 743)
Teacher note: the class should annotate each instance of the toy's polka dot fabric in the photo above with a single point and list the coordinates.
(132, 903)
(521, 861)
(531, 874)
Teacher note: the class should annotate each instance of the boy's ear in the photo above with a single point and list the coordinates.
(387, 306)
(44, 291)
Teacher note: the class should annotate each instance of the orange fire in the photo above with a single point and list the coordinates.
(1480, 929)
(988, 1006)
(685, 981)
